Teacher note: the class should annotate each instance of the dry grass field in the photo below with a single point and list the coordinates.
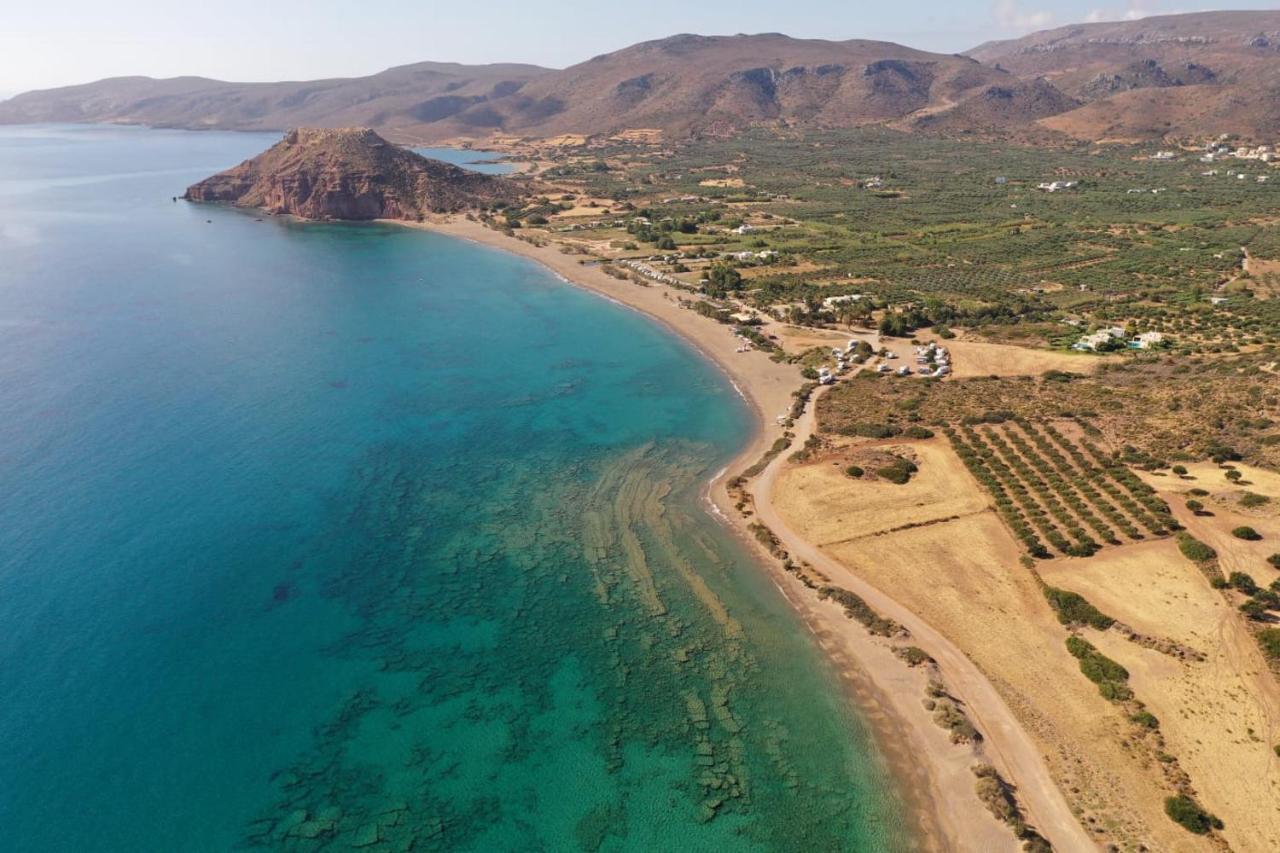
(1223, 513)
(964, 576)
(1221, 715)
(979, 358)
(831, 507)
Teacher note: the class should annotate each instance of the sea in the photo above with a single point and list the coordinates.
(346, 536)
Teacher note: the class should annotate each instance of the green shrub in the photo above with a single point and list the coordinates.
(899, 472)
(1188, 814)
(1101, 670)
(1254, 609)
(874, 430)
(1195, 506)
(1247, 533)
(1193, 549)
(1269, 639)
(1075, 609)
(1274, 560)
(1243, 582)
(1200, 493)
(854, 471)
(856, 608)
(1180, 470)
(913, 655)
(1146, 719)
(918, 432)
(1253, 499)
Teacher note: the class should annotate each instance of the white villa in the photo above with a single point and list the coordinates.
(1147, 340)
(1091, 342)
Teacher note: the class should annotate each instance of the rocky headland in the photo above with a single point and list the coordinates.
(350, 173)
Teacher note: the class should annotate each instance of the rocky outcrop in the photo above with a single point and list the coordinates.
(349, 173)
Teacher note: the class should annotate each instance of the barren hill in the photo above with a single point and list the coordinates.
(1175, 75)
(689, 84)
(681, 85)
(349, 173)
(396, 100)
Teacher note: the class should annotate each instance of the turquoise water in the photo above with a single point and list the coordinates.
(468, 158)
(316, 537)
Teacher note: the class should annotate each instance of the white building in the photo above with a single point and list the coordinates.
(1091, 342)
(1147, 340)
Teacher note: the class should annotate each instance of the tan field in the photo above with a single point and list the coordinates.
(1234, 555)
(722, 182)
(978, 358)
(963, 576)
(796, 339)
(819, 499)
(1220, 716)
(582, 209)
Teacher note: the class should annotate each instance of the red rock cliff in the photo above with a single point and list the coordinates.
(349, 173)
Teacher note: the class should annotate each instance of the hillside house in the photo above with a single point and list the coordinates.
(1147, 340)
(1101, 339)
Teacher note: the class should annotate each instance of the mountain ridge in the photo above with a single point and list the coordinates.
(1168, 76)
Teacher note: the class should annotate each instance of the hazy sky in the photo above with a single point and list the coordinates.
(51, 43)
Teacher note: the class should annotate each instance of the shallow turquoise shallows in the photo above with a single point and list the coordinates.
(325, 537)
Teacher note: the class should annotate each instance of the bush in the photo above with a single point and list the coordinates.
(1074, 609)
(1195, 506)
(854, 471)
(1243, 582)
(1110, 676)
(1269, 639)
(1274, 560)
(1146, 719)
(1254, 609)
(913, 655)
(1253, 499)
(1247, 533)
(1193, 549)
(1188, 814)
(873, 430)
(918, 432)
(1180, 470)
(899, 472)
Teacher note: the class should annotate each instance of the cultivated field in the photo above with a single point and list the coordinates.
(960, 570)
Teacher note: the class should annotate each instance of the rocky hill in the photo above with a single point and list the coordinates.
(1175, 75)
(396, 101)
(682, 85)
(349, 173)
(1172, 75)
(690, 84)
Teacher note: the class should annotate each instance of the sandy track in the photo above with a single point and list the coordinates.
(1015, 753)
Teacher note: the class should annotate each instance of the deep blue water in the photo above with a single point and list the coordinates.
(314, 536)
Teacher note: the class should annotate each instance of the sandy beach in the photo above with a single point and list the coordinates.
(934, 774)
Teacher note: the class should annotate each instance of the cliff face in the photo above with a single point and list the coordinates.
(349, 173)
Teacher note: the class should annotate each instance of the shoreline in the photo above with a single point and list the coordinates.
(931, 775)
